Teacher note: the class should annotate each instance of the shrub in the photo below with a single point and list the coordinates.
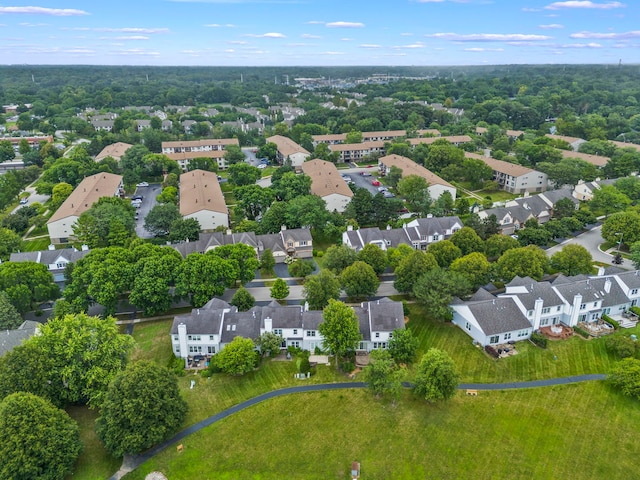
(405, 308)
(621, 346)
(176, 366)
(583, 333)
(347, 367)
(305, 365)
(491, 351)
(539, 339)
(635, 310)
(611, 321)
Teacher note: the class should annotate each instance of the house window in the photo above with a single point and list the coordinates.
(211, 337)
(377, 334)
(558, 308)
(194, 338)
(546, 310)
(436, 238)
(544, 321)
(211, 350)
(295, 331)
(177, 348)
(379, 344)
(195, 349)
(530, 313)
(59, 265)
(303, 243)
(467, 326)
(311, 333)
(176, 338)
(606, 311)
(594, 316)
(634, 291)
(523, 333)
(277, 331)
(494, 339)
(595, 304)
(583, 306)
(507, 336)
(361, 346)
(290, 244)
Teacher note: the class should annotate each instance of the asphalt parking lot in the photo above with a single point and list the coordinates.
(149, 195)
(364, 182)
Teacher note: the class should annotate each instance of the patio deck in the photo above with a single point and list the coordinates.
(557, 332)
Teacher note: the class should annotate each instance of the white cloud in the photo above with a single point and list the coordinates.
(584, 4)
(229, 50)
(580, 45)
(410, 46)
(346, 39)
(406, 34)
(219, 25)
(132, 37)
(299, 44)
(489, 37)
(315, 22)
(308, 35)
(136, 51)
(369, 45)
(143, 30)
(607, 36)
(237, 42)
(331, 53)
(56, 12)
(478, 49)
(551, 26)
(266, 35)
(344, 25)
(28, 24)
(80, 51)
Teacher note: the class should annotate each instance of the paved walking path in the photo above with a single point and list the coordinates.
(130, 463)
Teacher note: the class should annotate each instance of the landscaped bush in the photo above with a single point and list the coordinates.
(176, 365)
(347, 367)
(635, 310)
(304, 366)
(611, 321)
(212, 368)
(620, 345)
(581, 332)
(539, 339)
(405, 308)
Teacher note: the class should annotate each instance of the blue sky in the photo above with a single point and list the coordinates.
(318, 32)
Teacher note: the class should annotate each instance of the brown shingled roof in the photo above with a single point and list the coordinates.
(189, 155)
(325, 178)
(200, 190)
(347, 147)
(501, 166)
(596, 160)
(201, 143)
(450, 138)
(115, 150)
(286, 146)
(409, 167)
(90, 190)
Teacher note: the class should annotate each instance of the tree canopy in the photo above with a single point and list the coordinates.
(238, 357)
(436, 377)
(339, 328)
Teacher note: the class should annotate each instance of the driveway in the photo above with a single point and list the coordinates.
(149, 195)
(363, 182)
(33, 197)
(591, 240)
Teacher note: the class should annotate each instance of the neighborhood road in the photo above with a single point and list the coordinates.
(130, 463)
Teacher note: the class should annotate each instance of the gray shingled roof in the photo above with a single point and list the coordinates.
(201, 321)
(481, 294)
(247, 325)
(498, 316)
(282, 316)
(536, 290)
(386, 315)
(630, 279)
(312, 319)
(10, 339)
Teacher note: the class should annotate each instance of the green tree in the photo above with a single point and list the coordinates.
(319, 289)
(289, 185)
(169, 194)
(353, 137)
(497, 244)
(306, 211)
(243, 299)
(359, 280)
(160, 218)
(300, 268)
(59, 194)
(244, 256)
(267, 261)
(394, 175)
(528, 261)
(572, 260)
(374, 256)
(476, 172)
(268, 150)
(201, 277)
(6, 151)
(382, 375)
(410, 268)
(622, 227)
(608, 199)
(39, 440)
(467, 240)
(141, 408)
(437, 288)
(280, 289)
(253, 200)
(27, 284)
(395, 255)
(415, 190)
(475, 267)
(445, 252)
(243, 174)
(625, 375)
(339, 328)
(109, 222)
(233, 155)
(269, 343)
(9, 317)
(436, 377)
(634, 252)
(10, 242)
(238, 357)
(339, 257)
(184, 229)
(403, 346)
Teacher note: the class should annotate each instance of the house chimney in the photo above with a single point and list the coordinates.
(349, 228)
(600, 271)
(268, 324)
(306, 306)
(607, 285)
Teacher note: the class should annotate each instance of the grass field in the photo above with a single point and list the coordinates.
(36, 244)
(538, 433)
(360, 415)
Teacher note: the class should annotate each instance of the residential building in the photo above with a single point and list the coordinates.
(584, 190)
(142, 124)
(456, 140)
(357, 152)
(512, 177)
(597, 160)
(33, 141)
(327, 184)
(635, 146)
(207, 330)
(115, 151)
(186, 150)
(89, 191)
(418, 233)
(102, 125)
(56, 261)
(528, 305)
(10, 339)
(437, 186)
(201, 198)
(288, 150)
(573, 141)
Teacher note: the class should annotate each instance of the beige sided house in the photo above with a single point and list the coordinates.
(201, 198)
(335, 138)
(115, 151)
(437, 186)
(327, 184)
(356, 152)
(183, 151)
(289, 150)
(90, 190)
(512, 177)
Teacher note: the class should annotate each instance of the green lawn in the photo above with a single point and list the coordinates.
(36, 244)
(537, 433)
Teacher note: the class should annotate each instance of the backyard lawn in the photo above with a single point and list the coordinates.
(536, 433)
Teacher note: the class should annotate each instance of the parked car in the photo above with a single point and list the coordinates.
(137, 197)
(24, 201)
(142, 184)
(262, 165)
(366, 174)
(388, 194)
(375, 183)
(382, 189)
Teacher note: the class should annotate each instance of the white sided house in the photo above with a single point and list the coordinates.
(327, 184)
(437, 186)
(288, 150)
(90, 190)
(512, 177)
(185, 151)
(208, 329)
(201, 198)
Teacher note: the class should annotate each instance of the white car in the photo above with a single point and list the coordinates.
(24, 201)
(142, 184)
(262, 165)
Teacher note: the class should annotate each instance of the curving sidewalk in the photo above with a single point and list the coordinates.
(130, 463)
